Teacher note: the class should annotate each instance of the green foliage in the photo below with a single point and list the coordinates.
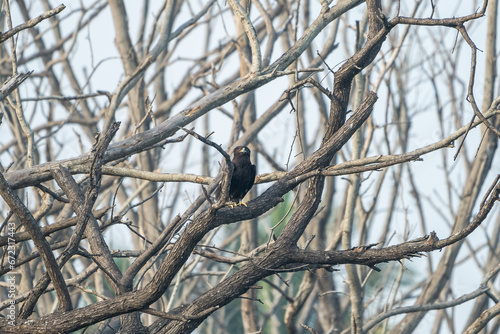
(122, 263)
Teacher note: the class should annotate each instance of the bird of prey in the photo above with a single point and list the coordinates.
(243, 175)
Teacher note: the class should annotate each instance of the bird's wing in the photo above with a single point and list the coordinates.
(251, 179)
(254, 172)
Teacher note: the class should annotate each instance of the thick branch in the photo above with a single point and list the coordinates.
(12, 84)
(31, 226)
(145, 140)
(407, 250)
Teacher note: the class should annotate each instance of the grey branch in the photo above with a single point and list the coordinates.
(31, 23)
(12, 83)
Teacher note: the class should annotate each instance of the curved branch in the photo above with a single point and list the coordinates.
(422, 308)
(31, 226)
(251, 34)
(145, 140)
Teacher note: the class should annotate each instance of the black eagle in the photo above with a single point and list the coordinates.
(243, 175)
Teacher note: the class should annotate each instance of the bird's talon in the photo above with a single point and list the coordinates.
(234, 205)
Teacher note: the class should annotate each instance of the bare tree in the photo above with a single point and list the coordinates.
(374, 204)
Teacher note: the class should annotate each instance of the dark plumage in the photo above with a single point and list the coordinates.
(243, 175)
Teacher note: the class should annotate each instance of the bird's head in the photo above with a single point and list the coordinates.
(241, 150)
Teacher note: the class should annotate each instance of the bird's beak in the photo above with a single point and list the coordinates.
(244, 150)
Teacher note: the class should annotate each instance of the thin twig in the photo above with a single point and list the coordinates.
(31, 23)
